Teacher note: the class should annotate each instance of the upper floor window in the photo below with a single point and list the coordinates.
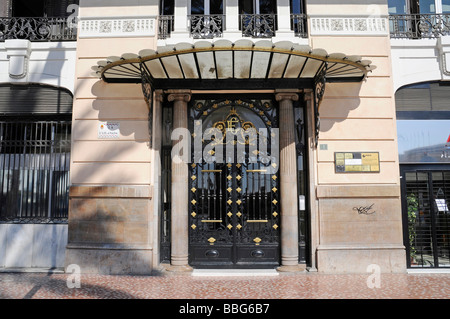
(206, 7)
(418, 18)
(257, 7)
(445, 6)
(418, 6)
(41, 8)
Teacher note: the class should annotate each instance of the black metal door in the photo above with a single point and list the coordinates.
(234, 203)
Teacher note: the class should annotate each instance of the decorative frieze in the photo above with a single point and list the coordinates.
(349, 26)
(117, 27)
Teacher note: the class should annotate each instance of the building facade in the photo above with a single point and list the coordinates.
(242, 134)
(37, 78)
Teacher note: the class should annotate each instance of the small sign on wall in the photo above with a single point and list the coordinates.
(108, 130)
(357, 162)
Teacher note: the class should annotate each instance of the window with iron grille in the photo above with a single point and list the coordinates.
(34, 169)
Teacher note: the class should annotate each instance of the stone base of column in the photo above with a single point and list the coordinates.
(179, 269)
(292, 268)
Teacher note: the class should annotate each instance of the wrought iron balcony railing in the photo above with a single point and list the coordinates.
(416, 26)
(206, 26)
(258, 25)
(37, 29)
(251, 25)
(299, 24)
(165, 26)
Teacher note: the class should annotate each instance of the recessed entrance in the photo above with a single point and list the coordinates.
(234, 205)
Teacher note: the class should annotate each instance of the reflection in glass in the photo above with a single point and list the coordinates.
(397, 7)
(422, 141)
(427, 6)
(445, 6)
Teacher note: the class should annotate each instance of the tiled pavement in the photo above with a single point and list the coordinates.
(284, 286)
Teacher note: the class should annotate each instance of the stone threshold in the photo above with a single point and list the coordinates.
(234, 272)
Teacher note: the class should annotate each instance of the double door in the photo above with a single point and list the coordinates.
(234, 209)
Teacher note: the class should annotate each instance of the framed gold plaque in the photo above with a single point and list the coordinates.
(357, 162)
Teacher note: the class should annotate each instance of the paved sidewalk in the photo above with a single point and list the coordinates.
(284, 286)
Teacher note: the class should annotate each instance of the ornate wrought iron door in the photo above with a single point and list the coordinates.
(234, 197)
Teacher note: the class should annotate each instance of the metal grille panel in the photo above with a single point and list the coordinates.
(427, 216)
(34, 171)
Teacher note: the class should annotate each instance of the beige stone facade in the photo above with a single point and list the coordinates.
(114, 216)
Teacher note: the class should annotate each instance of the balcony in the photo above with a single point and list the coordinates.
(37, 29)
(419, 26)
(258, 25)
(250, 25)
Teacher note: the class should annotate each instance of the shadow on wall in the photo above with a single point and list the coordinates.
(109, 233)
(339, 101)
(132, 112)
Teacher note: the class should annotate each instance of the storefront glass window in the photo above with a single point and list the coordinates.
(424, 141)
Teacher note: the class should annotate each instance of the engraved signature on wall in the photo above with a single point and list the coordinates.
(365, 210)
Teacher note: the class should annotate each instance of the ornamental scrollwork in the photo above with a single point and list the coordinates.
(319, 91)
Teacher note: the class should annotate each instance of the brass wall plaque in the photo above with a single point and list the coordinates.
(357, 162)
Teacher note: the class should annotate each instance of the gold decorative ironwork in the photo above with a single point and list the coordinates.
(229, 214)
(193, 177)
(193, 165)
(238, 202)
(274, 201)
(274, 177)
(211, 170)
(274, 214)
(211, 240)
(193, 201)
(238, 177)
(193, 226)
(256, 170)
(211, 220)
(193, 189)
(229, 189)
(229, 226)
(257, 221)
(274, 189)
(193, 214)
(229, 202)
(238, 189)
(229, 177)
(275, 226)
(239, 226)
(257, 240)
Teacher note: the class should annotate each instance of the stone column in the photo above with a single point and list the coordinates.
(288, 183)
(180, 183)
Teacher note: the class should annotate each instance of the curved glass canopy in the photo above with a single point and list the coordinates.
(242, 64)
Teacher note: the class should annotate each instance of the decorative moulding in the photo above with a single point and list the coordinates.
(443, 44)
(117, 27)
(362, 26)
(18, 53)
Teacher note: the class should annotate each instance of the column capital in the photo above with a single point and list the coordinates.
(286, 96)
(186, 97)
